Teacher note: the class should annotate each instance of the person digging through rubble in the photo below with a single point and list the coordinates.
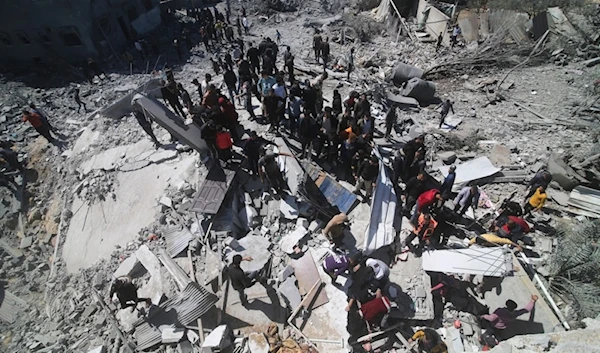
(468, 196)
(541, 178)
(447, 106)
(502, 318)
(428, 202)
(536, 201)
(334, 230)
(424, 230)
(336, 264)
(429, 341)
(38, 124)
(366, 177)
(414, 188)
(269, 168)
(241, 280)
(127, 293)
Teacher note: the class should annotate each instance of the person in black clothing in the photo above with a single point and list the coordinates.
(308, 130)
(365, 286)
(390, 121)
(417, 166)
(252, 148)
(254, 58)
(185, 97)
(244, 70)
(208, 132)
(268, 167)
(328, 136)
(411, 148)
(239, 279)
(366, 176)
(362, 107)
(336, 104)
(271, 103)
(414, 188)
(267, 61)
(230, 80)
(541, 178)
(447, 106)
(127, 293)
(198, 87)
(325, 53)
(288, 61)
(171, 94)
(309, 96)
(145, 123)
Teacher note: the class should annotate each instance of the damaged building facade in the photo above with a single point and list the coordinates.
(46, 32)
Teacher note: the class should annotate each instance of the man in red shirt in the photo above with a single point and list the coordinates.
(230, 117)
(425, 202)
(38, 124)
(514, 229)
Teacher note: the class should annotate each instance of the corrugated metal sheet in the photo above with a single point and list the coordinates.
(177, 240)
(334, 192)
(179, 275)
(10, 306)
(585, 201)
(181, 310)
(212, 192)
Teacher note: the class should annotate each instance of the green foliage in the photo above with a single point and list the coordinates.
(575, 266)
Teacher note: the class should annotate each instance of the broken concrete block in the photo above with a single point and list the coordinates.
(99, 349)
(217, 340)
(231, 242)
(313, 226)
(447, 157)
(302, 222)
(90, 310)
(99, 280)
(285, 273)
(128, 267)
(172, 335)
(26, 242)
(166, 202)
(500, 156)
(147, 258)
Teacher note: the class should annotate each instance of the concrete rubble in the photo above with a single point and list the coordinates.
(103, 203)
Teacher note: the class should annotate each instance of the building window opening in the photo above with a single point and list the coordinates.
(70, 38)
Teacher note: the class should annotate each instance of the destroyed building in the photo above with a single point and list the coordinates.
(49, 32)
(129, 196)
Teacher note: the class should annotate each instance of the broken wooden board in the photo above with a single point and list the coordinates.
(307, 274)
(212, 192)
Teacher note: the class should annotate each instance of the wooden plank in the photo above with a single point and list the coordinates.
(212, 192)
(307, 274)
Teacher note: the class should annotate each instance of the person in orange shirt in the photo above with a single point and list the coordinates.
(38, 124)
(424, 231)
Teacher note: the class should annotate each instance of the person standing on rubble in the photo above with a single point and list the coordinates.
(230, 80)
(265, 84)
(146, 124)
(448, 184)
(336, 103)
(254, 58)
(366, 176)
(447, 106)
(185, 97)
(350, 62)
(454, 37)
(414, 188)
(38, 124)
(240, 280)
(127, 293)
(246, 95)
(43, 115)
(271, 104)
(252, 148)
(288, 62)
(325, 51)
(317, 41)
(295, 109)
(269, 168)
(77, 99)
(246, 25)
(390, 121)
(468, 196)
(536, 201)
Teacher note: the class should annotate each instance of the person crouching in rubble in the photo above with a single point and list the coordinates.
(241, 280)
(536, 201)
(336, 264)
(127, 293)
(501, 318)
(429, 341)
(334, 230)
(424, 230)
(268, 166)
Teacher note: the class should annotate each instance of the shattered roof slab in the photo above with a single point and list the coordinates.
(181, 310)
(177, 240)
(475, 169)
(586, 201)
(492, 262)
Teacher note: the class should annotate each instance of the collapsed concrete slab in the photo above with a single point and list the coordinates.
(421, 90)
(404, 72)
(492, 262)
(475, 169)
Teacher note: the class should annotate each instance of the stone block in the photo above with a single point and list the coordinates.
(302, 222)
(26, 242)
(99, 280)
(128, 267)
(447, 157)
(89, 311)
(313, 226)
(172, 335)
(285, 273)
(99, 349)
(231, 242)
